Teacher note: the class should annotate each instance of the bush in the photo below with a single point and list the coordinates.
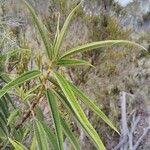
(48, 81)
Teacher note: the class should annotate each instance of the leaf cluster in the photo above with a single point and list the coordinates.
(52, 85)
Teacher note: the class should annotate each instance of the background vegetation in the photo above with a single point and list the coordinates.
(116, 69)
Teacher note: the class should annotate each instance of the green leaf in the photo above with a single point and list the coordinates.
(10, 100)
(33, 89)
(69, 134)
(17, 145)
(3, 117)
(12, 116)
(56, 119)
(30, 93)
(3, 125)
(2, 134)
(57, 31)
(5, 144)
(41, 137)
(77, 110)
(88, 102)
(39, 114)
(4, 77)
(51, 136)
(69, 108)
(63, 30)
(33, 144)
(19, 80)
(95, 45)
(4, 106)
(42, 30)
(12, 52)
(72, 62)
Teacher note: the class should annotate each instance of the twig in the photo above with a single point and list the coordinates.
(130, 137)
(124, 126)
(141, 138)
(35, 101)
(135, 122)
(122, 141)
(126, 139)
(26, 115)
(32, 106)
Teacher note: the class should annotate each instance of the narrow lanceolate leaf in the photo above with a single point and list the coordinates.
(17, 145)
(12, 116)
(70, 135)
(72, 62)
(95, 45)
(3, 126)
(19, 80)
(63, 30)
(56, 119)
(13, 52)
(89, 103)
(51, 136)
(75, 116)
(4, 108)
(57, 32)
(41, 137)
(4, 77)
(10, 100)
(33, 143)
(41, 29)
(77, 110)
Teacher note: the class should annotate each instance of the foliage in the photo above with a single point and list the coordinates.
(146, 17)
(50, 83)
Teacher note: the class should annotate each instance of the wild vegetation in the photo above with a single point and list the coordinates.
(23, 125)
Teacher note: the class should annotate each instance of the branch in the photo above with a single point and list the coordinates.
(124, 126)
(27, 113)
(141, 138)
(126, 139)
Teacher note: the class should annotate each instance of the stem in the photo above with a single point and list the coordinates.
(27, 113)
(124, 125)
(35, 101)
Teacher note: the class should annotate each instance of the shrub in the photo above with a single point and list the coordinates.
(50, 83)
